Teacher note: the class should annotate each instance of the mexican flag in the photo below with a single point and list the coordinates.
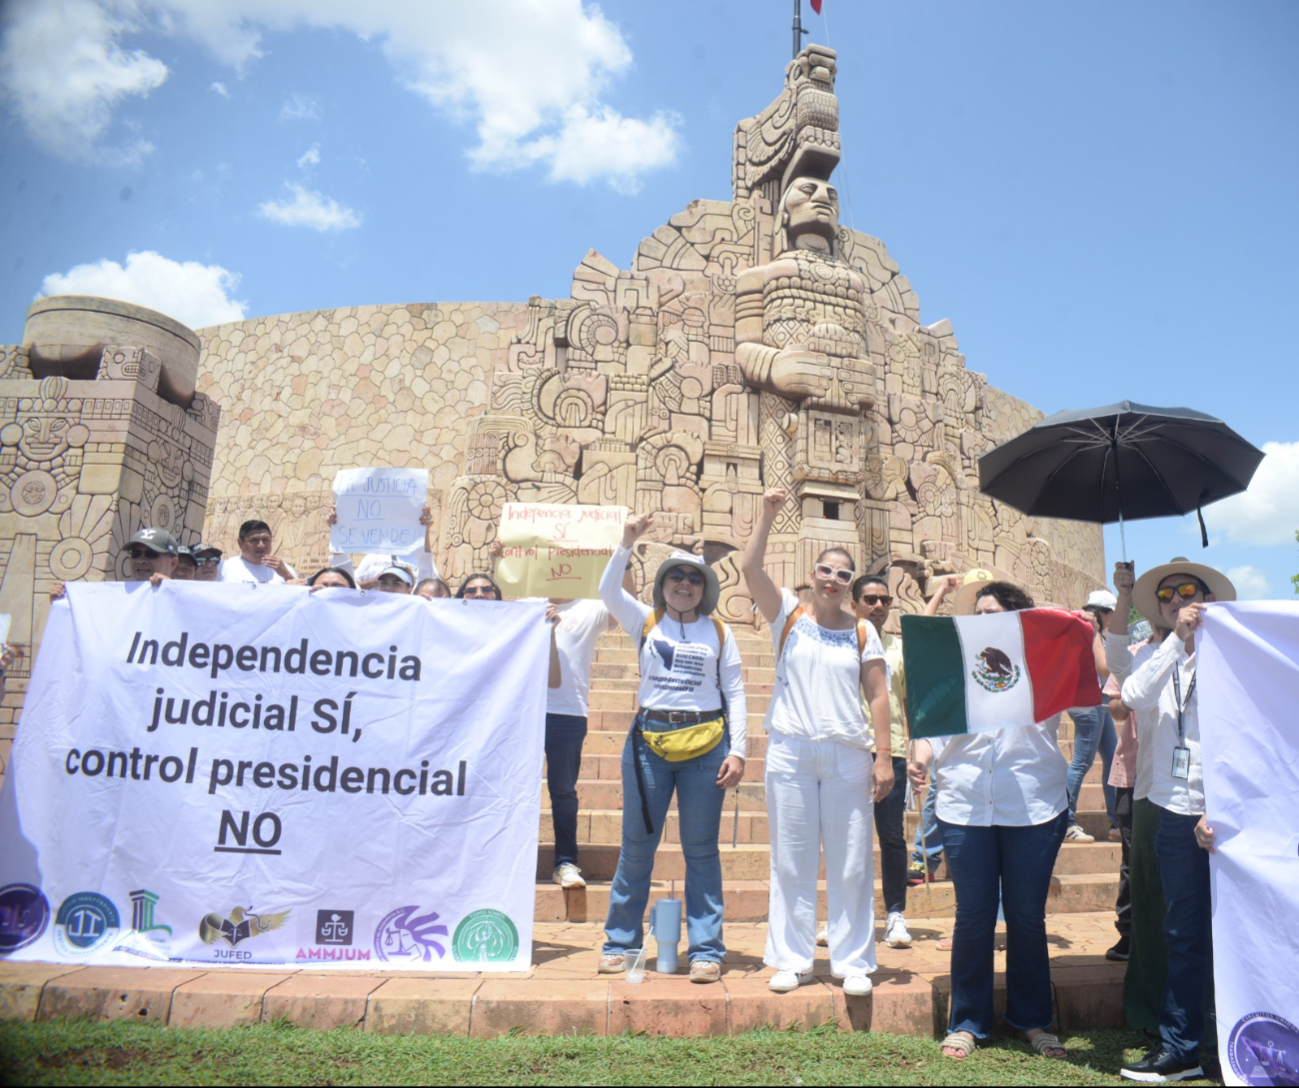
(971, 674)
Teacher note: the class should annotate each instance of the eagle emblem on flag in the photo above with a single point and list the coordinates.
(995, 671)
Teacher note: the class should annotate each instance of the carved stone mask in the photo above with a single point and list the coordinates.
(810, 206)
(44, 437)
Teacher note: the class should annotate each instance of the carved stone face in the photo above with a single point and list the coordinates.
(44, 437)
(811, 206)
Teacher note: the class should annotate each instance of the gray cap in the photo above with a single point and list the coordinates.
(712, 588)
(204, 546)
(158, 540)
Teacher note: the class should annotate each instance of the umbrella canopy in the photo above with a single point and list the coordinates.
(1119, 463)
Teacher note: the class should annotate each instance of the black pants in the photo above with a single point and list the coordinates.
(1123, 901)
(892, 839)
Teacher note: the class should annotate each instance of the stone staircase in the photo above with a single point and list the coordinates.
(1085, 879)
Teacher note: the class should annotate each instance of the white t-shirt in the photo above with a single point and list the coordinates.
(238, 569)
(580, 624)
(679, 665)
(818, 677)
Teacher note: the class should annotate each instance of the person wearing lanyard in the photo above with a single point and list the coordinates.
(1165, 684)
(1003, 807)
(821, 782)
(689, 737)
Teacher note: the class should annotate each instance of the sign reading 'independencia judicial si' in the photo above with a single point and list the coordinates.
(211, 775)
(557, 549)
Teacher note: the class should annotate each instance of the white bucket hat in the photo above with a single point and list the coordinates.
(712, 588)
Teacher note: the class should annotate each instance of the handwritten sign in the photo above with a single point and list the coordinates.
(556, 550)
(379, 510)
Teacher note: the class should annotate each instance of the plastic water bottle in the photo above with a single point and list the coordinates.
(665, 924)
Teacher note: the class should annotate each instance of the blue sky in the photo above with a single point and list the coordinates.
(1100, 196)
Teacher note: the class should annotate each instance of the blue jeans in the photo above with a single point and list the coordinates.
(928, 833)
(892, 839)
(699, 803)
(1184, 873)
(1093, 731)
(564, 736)
(1012, 864)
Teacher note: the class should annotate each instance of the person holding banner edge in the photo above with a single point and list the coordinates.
(821, 781)
(689, 737)
(579, 622)
(1164, 685)
(1003, 808)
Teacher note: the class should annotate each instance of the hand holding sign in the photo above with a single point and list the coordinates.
(379, 511)
(556, 550)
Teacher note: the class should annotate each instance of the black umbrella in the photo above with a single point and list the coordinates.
(1123, 462)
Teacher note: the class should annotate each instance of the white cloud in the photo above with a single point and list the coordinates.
(220, 88)
(531, 76)
(1267, 514)
(309, 209)
(194, 294)
(1251, 584)
(63, 72)
(300, 107)
(310, 157)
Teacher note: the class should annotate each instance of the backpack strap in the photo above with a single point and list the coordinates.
(651, 621)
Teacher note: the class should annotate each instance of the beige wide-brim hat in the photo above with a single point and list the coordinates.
(712, 588)
(1143, 593)
(963, 597)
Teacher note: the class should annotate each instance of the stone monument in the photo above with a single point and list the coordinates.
(751, 342)
(101, 433)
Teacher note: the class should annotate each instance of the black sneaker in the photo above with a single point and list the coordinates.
(1119, 953)
(1160, 1067)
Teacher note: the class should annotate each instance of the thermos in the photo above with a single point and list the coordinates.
(665, 924)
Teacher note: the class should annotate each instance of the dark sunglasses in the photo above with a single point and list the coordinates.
(876, 598)
(842, 575)
(142, 553)
(1185, 590)
(479, 591)
(691, 576)
(207, 560)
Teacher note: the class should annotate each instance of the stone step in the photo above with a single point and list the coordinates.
(598, 858)
(748, 899)
(606, 793)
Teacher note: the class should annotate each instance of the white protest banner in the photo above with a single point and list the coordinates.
(378, 510)
(1247, 680)
(243, 775)
(556, 549)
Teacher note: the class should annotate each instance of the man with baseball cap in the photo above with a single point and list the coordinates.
(207, 560)
(153, 555)
(396, 578)
(1174, 596)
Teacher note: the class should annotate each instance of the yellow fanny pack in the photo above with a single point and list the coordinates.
(687, 743)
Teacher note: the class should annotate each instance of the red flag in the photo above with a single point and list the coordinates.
(816, 6)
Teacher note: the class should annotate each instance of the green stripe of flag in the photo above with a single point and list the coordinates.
(934, 667)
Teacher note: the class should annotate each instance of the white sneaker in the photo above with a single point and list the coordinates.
(1077, 834)
(568, 875)
(783, 982)
(857, 985)
(896, 934)
(823, 936)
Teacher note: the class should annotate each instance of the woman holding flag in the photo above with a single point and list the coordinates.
(1003, 810)
(821, 783)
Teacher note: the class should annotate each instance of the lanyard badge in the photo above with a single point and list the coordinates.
(1181, 754)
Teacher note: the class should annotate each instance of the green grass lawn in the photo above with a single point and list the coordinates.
(84, 1052)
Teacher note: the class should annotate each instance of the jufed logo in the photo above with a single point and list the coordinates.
(242, 925)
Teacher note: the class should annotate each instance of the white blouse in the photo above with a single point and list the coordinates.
(1014, 777)
(818, 678)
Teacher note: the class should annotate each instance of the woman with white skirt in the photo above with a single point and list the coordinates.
(820, 780)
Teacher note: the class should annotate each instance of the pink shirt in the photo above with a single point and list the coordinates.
(1123, 767)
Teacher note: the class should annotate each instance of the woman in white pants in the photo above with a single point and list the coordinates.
(821, 784)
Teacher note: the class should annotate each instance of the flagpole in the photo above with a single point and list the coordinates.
(798, 26)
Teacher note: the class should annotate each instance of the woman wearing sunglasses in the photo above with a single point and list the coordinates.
(478, 587)
(820, 778)
(689, 737)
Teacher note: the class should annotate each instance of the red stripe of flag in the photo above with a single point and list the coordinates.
(1059, 658)
(816, 6)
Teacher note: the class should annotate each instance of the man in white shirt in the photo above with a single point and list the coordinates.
(255, 561)
(1165, 686)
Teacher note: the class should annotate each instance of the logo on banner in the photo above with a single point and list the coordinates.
(334, 927)
(24, 914)
(1264, 1049)
(995, 671)
(405, 935)
(85, 923)
(147, 936)
(485, 936)
(241, 925)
